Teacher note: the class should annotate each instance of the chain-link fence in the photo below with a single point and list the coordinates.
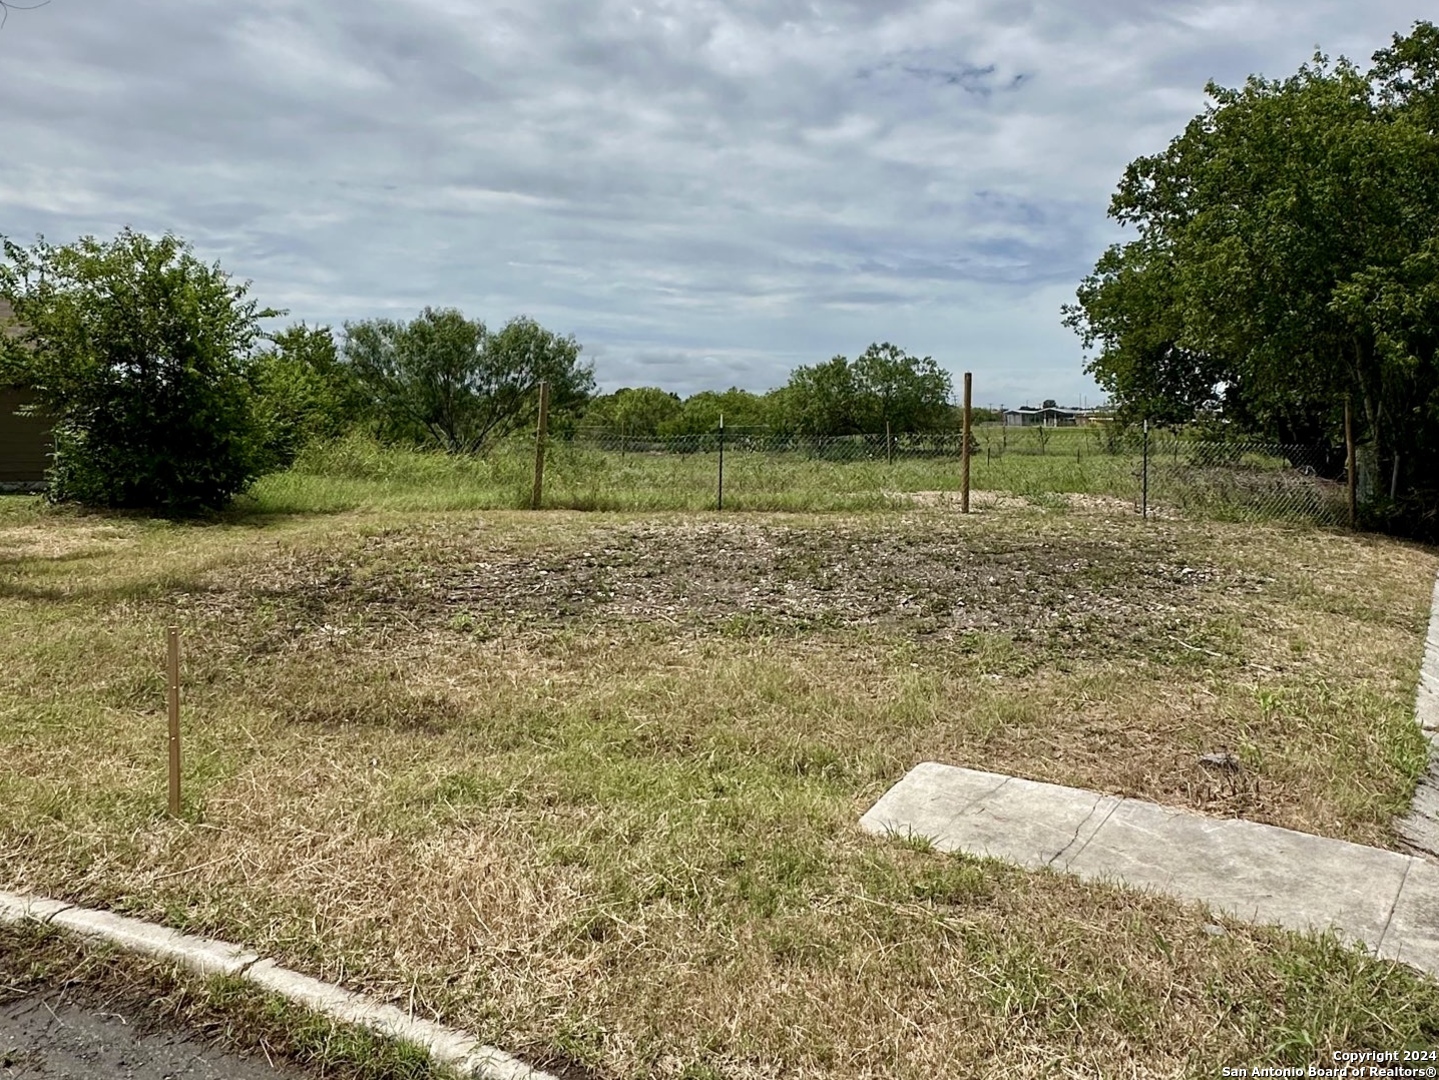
(1159, 471)
(1242, 478)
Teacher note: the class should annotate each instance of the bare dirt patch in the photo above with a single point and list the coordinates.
(1081, 592)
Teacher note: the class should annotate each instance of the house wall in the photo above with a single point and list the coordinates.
(25, 441)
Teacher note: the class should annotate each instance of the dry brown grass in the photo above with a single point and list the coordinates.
(588, 785)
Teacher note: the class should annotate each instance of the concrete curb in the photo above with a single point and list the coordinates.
(1426, 700)
(1419, 829)
(206, 956)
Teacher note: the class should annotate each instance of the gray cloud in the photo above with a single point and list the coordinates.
(705, 193)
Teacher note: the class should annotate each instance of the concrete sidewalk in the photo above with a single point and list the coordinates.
(1260, 873)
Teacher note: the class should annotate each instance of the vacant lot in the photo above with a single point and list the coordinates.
(588, 784)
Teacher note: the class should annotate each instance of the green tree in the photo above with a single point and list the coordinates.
(638, 411)
(907, 393)
(304, 392)
(701, 412)
(1287, 258)
(141, 353)
(885, 385)
(1130, 307)
(823, 399)
(447, 380)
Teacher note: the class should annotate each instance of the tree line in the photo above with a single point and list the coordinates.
(883, 389)
(166, 393)
(1286, 267)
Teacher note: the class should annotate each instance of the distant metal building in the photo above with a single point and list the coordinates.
(26, 442)
(1049, 416)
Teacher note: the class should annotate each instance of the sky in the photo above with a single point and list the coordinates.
(706, 194)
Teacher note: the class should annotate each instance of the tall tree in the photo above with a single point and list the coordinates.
(304, 392)
(822, 399)
(638, 411)
(449, 381)
(142, 355)
(1286, 258)
(700, 414)
(907, 393)
(885, 385)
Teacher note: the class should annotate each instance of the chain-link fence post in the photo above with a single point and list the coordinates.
(540, 436)
(1144, 472)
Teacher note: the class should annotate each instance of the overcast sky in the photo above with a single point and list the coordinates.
(705, 193)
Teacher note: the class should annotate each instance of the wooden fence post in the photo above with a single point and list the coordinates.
(719, 500)
(173, 671)
(538, 494)
(964, 450)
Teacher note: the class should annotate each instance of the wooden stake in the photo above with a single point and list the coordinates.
(538, 494)
(719, 498)
(1349, 465)
(174, 673)
(964, 451)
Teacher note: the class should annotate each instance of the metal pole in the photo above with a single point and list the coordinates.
(1145, 484)
(888, 446)
(1350, 463)
(719, 501)
(964, 450)
(538, 493)
(173, 670)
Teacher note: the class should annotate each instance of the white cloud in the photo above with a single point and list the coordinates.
(706, 193)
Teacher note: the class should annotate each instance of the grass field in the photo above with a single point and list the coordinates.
(1032, 465)
(588, 783)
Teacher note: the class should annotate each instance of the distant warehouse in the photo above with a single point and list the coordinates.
(25, 441)
(1049, 416)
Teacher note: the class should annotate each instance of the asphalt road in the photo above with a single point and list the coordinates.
(44, 1036)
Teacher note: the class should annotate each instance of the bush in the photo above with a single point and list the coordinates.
(141, 353)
